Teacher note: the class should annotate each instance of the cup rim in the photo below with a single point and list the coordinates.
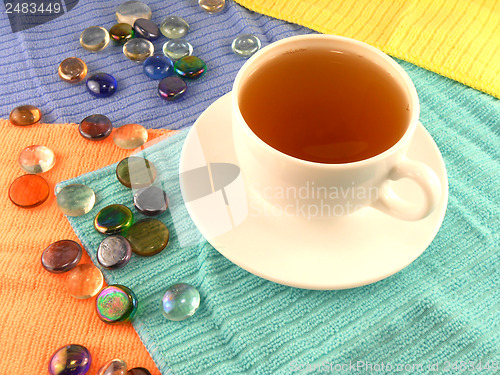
(391, 65)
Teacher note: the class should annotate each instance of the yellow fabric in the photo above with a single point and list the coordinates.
(455, 38)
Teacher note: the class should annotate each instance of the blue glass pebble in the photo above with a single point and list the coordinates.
(158, 67)
(70, 360)
(114, 252)
(171, 88)
(147, 29)
(102, 85)
(177, 48)
(245, 45)
(180, 301)
(190, 67)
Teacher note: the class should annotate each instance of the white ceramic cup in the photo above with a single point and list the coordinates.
(342, 188)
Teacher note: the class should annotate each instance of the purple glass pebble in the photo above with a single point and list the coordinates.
(158, 67)
(61, 256)
(70, 360)
(138, 371)
(171, 88)
(146, 29)
(150, 201)
(102, 85)
(95, 127)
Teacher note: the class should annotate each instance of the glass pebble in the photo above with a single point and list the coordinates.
(25, 115)
(158, 67)
(130, 11)
(212, 6)
(135, 172)
(94, 38)
(102, 85)
(70, 360)
(174, 27)
(180, 301)
(130, 136)
(114, 252)
(75, 199)
(138, 49)
(113, 367)
(138, 371)
(147, 29)
(150, 201)
(95, 127)
(37, 159)
(171, 88)
(84, 281)
(121, 33)
(72, 70)
(245, 45)
(115, 304)
(61, 256)
(28, 191)
(148, 237)
(191, 67)
(113, 219)
(177, 48)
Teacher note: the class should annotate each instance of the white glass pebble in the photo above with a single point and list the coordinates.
(174, 27)
(130, 11)
(245, 45)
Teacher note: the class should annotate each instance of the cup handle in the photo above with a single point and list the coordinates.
(390, 203)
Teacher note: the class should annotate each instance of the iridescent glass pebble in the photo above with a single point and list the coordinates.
(171, 88)
(130, 136)
(29, 191)
(212, 6)
(150, 201)
(84, 281)
(135, 172)
(70, 360)
(191, 67)
(61, 256)
(113, 219)
(75, 199)
(102, 85)
(114, 252)
(148, 237)
(72, 70)
(177, 48)
(121, 33)
(116, 304)
(158, 67)
(245, 45)
(174, 27)
(95, 127)
(180, 301)
(130, 11)
(25, 115)
(37, 159)
(138, 49)
(94, 38)
(147, 29)
(138, 371)
(113, 367)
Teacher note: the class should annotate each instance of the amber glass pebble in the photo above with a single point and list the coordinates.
(148, 237)
(61, 256)
(25, 115)
(138, 49)
(130, 136)
(84, 281)
(72, 70)
(37, 159)
(136, 172)
(29, 191)
(121, 33)
(95, 127)
(94, 38)
(113, 219)
(212, 6)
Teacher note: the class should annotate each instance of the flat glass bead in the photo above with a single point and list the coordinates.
(37, 159)
(61, 256)
(29, 191)
(94, 38)
(130, 11)
(95, 127)
(102, 85)
(158, 67)
(114, 252)
(147, 29)
(191, 67)
(75, 200)
(174, 27)
(113, 219)
(130, 136)
(113, 367)
(70, 360)
(177, 48)
(171, 88)
(138, 49)
(180, 301)
(115, 304)
(148, 237)
(72, 70)
(135, 172)
(84, 281)
(245, 45)
(121, 33)
(25, 115)
(138, 371)
(212, 6)
(150, 201)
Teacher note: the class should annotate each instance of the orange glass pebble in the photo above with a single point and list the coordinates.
(84, 281)
(130, 136)
(72, 70)
(25, 115)
(29, 191)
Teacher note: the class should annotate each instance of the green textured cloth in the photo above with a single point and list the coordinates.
(440, 310)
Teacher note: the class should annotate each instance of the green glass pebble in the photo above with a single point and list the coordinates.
(174, 27)
(75, 200)
(113, 219)
(177, 48)
(148, 237)
(180, 301)
(116, 304)
(121, 33)
(245, 45)
(135, 172)
(191, 67)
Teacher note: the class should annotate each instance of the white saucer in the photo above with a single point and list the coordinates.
(334, 253)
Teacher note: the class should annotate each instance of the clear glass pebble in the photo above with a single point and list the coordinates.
(29, 191)
(94, 38)
(158, 67)
(37, 159)
(212, 6)
(116, 304)
(174, 27)
(138, 49)
(130, 136)
(130, 11)
(180, 301)
(114, 252)
(70, 359)
(84, 281)
(113, 367)
(25, 115)
(245, 45)
(147, 29)
(72, 70)
(61, 256)
(177, 48)
(75, 199)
